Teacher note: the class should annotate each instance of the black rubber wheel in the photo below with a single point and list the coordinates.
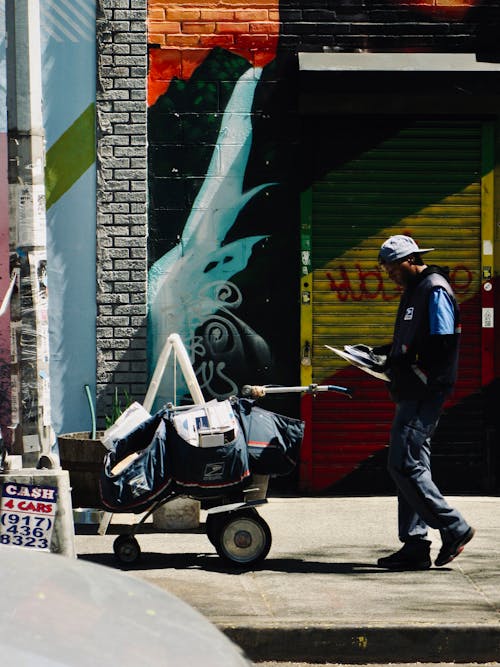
(127, 549)
(244, 539)
(215, 522)
(213, 526)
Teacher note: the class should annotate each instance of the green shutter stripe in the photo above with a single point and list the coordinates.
(421, 176)
(70, 156)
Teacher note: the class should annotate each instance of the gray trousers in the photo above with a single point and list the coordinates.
(420, 503)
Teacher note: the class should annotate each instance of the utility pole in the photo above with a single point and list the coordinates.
(40, 475)
(32, 433)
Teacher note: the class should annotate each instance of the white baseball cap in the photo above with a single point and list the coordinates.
(398, 247)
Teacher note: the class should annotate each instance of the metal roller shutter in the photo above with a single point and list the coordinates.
(424, 181)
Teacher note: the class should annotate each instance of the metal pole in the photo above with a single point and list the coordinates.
(258, 391)
(29, 323)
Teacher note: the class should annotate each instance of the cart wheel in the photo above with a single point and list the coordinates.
(244, 539)
(214, 522)
(126, 549)
(212, 527)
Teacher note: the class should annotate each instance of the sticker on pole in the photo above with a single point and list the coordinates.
(27, 515)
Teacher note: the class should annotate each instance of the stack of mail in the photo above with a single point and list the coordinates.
(363, 357)
(210, 425)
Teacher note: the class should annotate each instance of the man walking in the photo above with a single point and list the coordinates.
(422, 363)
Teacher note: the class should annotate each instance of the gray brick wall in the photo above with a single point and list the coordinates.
(121, 112)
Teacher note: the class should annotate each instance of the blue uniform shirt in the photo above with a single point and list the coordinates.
(441, 313)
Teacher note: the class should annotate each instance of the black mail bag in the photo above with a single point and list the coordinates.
(147, 477)
(273, 440)
(207, 471)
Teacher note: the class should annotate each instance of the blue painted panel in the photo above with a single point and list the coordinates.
(68, 70)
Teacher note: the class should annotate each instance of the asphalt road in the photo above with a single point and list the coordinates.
(387, 664)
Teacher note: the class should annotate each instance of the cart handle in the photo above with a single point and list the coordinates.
(257, 391)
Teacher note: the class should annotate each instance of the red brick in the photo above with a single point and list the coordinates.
(156, 39)
(156, 14)
(217, 14)
(213, 41)
(264, 27)
(182, 14)
(232, 27)
(198, 28)
(167, 27)
(183, 40)
(251, 15)
(252, 41)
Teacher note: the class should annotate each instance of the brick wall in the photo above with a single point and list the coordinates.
(248, 29)
(394, 25)
(121, 200)
(184, 34)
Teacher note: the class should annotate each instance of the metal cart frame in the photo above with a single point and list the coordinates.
(241, 537)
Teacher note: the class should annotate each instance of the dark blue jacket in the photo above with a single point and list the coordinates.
(421, 364)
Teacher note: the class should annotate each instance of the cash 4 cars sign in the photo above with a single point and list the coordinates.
(27, 515)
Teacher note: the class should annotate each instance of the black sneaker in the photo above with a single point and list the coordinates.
(451, 550)
(411, 556)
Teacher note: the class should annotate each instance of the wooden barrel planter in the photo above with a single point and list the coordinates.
(83, 457)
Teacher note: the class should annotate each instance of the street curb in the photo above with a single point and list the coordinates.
(353, 644)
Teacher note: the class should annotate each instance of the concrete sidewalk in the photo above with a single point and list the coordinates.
(319, 596)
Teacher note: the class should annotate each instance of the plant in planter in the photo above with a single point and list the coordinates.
(117, 408)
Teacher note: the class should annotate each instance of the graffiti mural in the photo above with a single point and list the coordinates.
(196, 265)
(186, 285)
(224, 244)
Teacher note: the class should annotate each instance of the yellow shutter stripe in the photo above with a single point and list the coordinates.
(353, 299)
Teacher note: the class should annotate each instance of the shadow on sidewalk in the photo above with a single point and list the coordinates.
(212, 563)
